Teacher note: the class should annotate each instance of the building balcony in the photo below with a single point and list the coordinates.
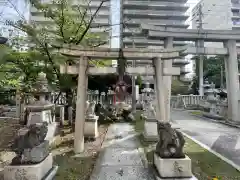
(98, 22)
(181, 61)
(235, 15)
(101, 13)
(184, 70)
(92, 3)
(145, 14)
(135, 22)
(155, 5)
(235, 6)
(132, 32)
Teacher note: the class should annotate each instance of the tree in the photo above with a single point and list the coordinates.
(178, 88)
(20, 70)
(70, 25)
(212, 67)
(139, 81)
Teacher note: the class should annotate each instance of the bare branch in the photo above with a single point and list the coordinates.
(17, 10)
(90, 22)
(82, 20)
(62, 21)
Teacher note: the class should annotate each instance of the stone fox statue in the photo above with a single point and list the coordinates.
(171, 142)
(33, 137)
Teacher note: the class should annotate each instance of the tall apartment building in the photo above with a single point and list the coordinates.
(171, 13)
(100, 24)
(224, 14)
(216, 15)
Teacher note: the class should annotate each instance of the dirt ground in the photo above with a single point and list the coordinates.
(71, 166)
(8, 131)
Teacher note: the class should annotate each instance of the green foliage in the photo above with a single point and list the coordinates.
(139, 81)
(67, 24)
(20, 69)
(211, 71)
(178, 87)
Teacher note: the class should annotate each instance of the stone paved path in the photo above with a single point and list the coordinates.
(219, 137)
(120, 158)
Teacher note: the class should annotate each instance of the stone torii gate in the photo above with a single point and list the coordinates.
(229, 38)
(82, 69)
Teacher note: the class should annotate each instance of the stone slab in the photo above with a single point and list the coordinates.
(36, 154)
(173, 168)
(120, 156)
(128, 142)
(150, 131)
(122, 173)
(91, 127)
(119, 130)
(29, 172)
(39, 117)
(52, 132)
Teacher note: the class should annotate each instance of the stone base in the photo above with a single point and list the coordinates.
(53, 130)
(30, 172)
(36, 154)
(173, 168)
(39, 117)
(91, 127)
(150, 133)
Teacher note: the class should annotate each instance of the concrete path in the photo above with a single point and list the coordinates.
(120, 158)
(221, 138)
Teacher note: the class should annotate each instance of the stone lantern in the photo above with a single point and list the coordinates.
(148, 93)
(42, 110)
(121, 91)
(149, 114)
(209, 92)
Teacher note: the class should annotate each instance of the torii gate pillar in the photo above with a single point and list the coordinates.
(168, 43)
(232, 79)
(160, 93)
(80, 106)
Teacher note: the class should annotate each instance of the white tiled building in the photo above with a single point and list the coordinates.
(217, 15)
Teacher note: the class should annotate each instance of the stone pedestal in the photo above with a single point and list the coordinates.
(91, 126)
(38, 117)
(60, 109)
(41, 171)
(173, 168)
(53, 130)
(150, 133)
(36, 154)
(40, 111)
